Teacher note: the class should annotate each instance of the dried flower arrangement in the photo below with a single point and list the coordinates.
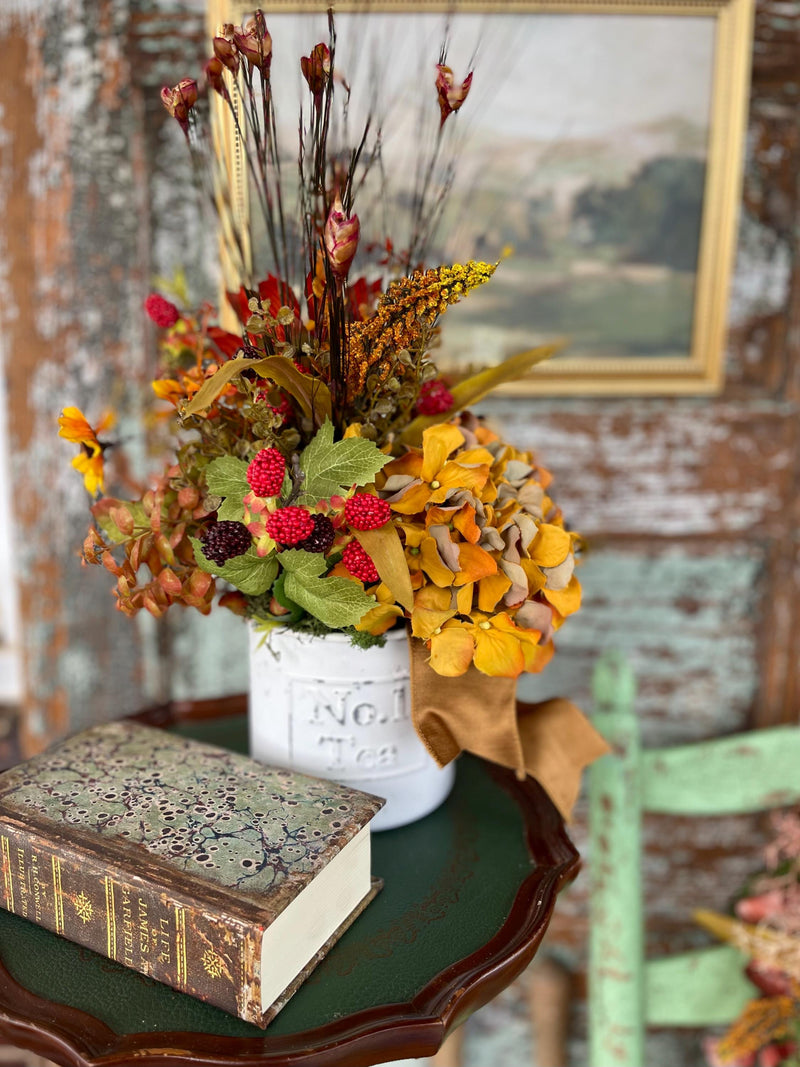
(766, 927)
(323, 468)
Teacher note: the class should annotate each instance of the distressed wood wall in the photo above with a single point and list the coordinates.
(690, 505)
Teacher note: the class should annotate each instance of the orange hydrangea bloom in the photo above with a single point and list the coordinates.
(495, 644)
(429, 475)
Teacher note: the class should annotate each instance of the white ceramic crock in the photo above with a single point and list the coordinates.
(322, 706)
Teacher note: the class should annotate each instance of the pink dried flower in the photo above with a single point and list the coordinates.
(451, 96)
(227, 53)
(179, 101)
(161, 311)
(341, 239)
(214, 72)
(756, 909)
(316, 70)
(254, 42)
(786, 842)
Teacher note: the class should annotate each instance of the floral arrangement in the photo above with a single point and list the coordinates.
(767, 928)
(323, 470)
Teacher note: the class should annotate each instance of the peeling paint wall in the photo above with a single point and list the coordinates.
(691, 506)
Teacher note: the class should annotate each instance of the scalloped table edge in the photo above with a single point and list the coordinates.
(74, 1038)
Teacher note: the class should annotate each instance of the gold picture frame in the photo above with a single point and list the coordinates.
(694, 365)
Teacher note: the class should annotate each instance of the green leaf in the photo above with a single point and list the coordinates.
(232, 509)
(227, 476)
(332, 467)
(103, 516)
(213, 386)
(250, 573)
(311, 394)
(304, 564)
(336, 602)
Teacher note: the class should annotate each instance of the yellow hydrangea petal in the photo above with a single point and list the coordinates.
(455, 476)
(432, 608)
(537, 656)
(412, 501)
(464, 597)
(503, 623)
(410, 465)
(464, 522)
(414, 533)
(471, 457)
(437, 444)
(537, 579)
(497, 653)
(475, 563)
(431, 563)
(551, 546)
(379, 619)
(491, 589)
(565, 601)
(451, 651)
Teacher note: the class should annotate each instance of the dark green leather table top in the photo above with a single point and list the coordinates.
(468, 893)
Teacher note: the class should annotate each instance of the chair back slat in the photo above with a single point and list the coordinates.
(616, 961)
(751, 772)
(726, 776)
(707, 987)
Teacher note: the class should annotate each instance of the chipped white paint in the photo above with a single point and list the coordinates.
(11, 684)
(11, 673)
(661, 468)
(762, 288)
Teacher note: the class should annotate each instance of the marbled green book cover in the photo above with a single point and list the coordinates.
(166, 854)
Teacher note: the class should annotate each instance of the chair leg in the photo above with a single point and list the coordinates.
(549, 992)
(449, 1055)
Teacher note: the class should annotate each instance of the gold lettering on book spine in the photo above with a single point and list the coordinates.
(180, 947)
(58, 897)
(111, 921)
(7, 879)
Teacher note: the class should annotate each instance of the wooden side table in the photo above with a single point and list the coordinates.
(468, 894)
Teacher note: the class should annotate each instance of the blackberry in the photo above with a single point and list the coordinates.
(224, 540)
(322, 536)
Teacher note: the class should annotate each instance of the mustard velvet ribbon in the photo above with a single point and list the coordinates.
(552, 740)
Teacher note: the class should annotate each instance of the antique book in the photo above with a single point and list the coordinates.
(224, 878)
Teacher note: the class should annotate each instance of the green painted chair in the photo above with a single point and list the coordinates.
(746, 773)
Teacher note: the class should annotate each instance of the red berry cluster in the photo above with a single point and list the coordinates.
(161, 311)
(289, 525)
(282, 410)
(434, 398)
(266, 471)
(366, 512)
(359, 564)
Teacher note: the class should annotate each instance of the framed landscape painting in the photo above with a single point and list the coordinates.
(598, 159)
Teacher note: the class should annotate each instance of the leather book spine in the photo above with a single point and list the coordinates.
(127, 917)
